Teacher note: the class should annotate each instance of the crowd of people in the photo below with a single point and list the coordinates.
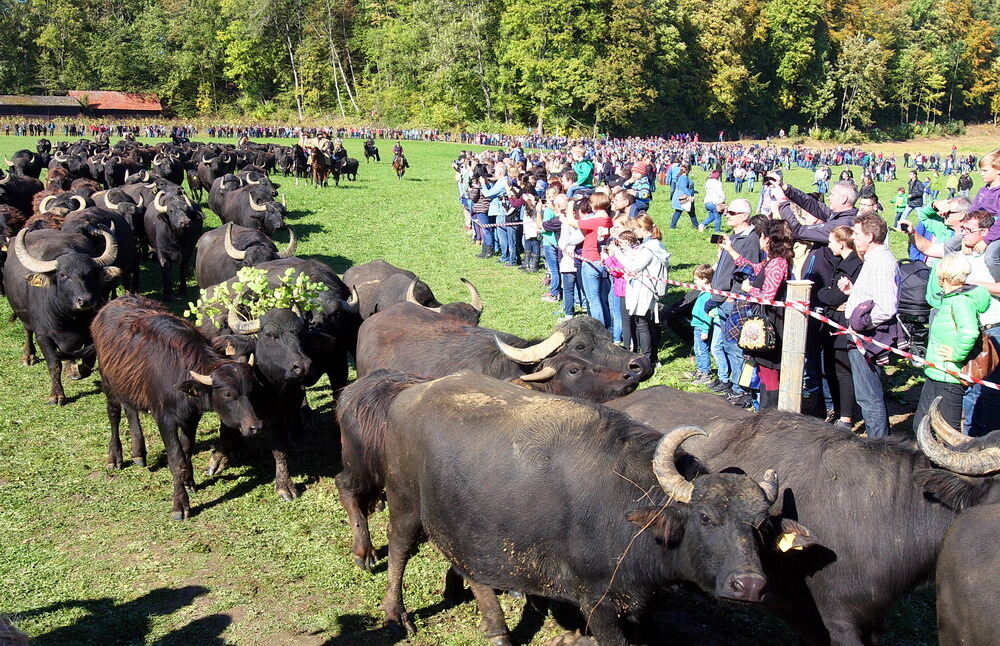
(583, 211)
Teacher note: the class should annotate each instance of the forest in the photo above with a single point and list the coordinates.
(617, 66)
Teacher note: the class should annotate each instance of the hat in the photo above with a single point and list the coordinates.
(642, 168)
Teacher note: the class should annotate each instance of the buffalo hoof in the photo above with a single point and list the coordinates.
(288, 493)
(380, 505)
(184, 514)
(115, 463)
(139, 462)
(366, 562)
(572, 639)
(29, 359)
(72, 370)
(217, 464)
(401, 627)
(57, 400)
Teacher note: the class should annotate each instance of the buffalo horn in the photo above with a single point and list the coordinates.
(110, 250)
(546, 373)
(254, 205)
(677, 486)
(82, 202)
(204, 159)
(944, 431)
(6, 178)
(43, 206)
(31, 263)
(973, 462)
(157, 202)
(411, 298)
(250, 360)
(156, 160)
(242, 327)
(293, 244)
(7, 161)
(477, 301)
(126, 176)
(770, 486)
(533, 353)
(188, 200)
(250, 180)
(231, 249)
(108, 203)
(284, 202)
(205, 380)
(141, 202)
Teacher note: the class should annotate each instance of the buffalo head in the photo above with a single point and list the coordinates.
(76, 279)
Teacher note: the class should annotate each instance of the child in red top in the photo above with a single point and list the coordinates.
(595, 224)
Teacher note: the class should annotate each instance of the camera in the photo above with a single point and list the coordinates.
(717, 238)
(905, 226)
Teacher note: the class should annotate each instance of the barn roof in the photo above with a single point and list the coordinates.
(104, 100)
(39, 101)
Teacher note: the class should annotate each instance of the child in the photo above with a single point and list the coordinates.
(701, 321)
(988, 199)
(900, 203)
(583, 166)
(532, 241)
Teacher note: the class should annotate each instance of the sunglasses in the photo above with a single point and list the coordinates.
(737, 213)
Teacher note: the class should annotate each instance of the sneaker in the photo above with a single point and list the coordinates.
(742, 400)
(711, 383)
(831, 415)
(722, 388)
(549, 298)
(846, 426)
(704, 379)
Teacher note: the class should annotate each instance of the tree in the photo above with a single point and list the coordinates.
(797, 43)
(860, 72)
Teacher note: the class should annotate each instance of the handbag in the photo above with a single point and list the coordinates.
(983, 359)
(758, 332)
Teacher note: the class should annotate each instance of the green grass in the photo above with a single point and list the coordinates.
(89, 556)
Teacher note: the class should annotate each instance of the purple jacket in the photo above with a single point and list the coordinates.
(888, 333)
(988, 199)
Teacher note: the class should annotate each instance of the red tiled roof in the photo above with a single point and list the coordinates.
(102, 100)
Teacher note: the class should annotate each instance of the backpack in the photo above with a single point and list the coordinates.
(913, 278)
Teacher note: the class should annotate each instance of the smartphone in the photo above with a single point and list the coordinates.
(717, 238)
(905, 226)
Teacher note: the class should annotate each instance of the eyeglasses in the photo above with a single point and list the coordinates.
(967, 230)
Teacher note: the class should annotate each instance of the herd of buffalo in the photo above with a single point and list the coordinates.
(535, 466)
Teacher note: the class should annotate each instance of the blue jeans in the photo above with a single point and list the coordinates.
(728, 355)
(596, 286)
(981, 406)
(484, 218)
(531, 246)
(615, 305)
(868, 393)
(552, 264)
(637, 206)
(739, 185)
(569, 292)
(713, 216)
(702, 354)
(677, 216)
(504, 235)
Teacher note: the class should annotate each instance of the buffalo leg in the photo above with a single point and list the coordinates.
(187, 439)
(225, 453)
(115, 444)
(57, 397)
(166, 269)
(602, 619)
(30, 356)
(282, 481)
(493, 625)
(404, 532)
(181, 509)
(357, 507)
(138, 440)
(185, 273)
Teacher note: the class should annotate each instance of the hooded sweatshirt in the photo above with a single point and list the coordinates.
(648, 260)
(957, 327)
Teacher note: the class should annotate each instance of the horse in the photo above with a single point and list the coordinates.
(320, 165)
(399, 164)
(371, 152)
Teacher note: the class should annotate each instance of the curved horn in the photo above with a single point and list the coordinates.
(204, 159)
(293, 244)
(141, 202)
(546, 373)
(533, 353)
(284, 202)
(944, 431)
(108, 203)
(254, 205)
(82, 202)
(43, 206)
(156, 159)
(250, 360)
(477, 301)
(126, 176)
(110, 250)
(352, 302)
(6, 178)
(250, 181)
(7, 162)
(187, 200)
(231, 250)
(411, 297)
(30, 262)
(160, 206)
(205, 380)
(770, 486)
(672, 482)
(240, 326)
(971, 463)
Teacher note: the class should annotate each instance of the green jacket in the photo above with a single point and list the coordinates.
(900, 202)
(956, 325)
(584, 170)
(934, 223)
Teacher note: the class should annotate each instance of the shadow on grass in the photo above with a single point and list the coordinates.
(340, 264)
(110, 623)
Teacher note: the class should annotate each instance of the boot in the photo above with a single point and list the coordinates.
(532, 264)
(486, 252)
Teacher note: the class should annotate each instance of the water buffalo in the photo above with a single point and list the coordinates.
(27, 163)
(54, 282)
(853, 492)
(557, 498)
(153, 361)
(93, 222)
(399, 288)
(409, 338)
(11, 221)
(347, 167)
(223, 252)
(173, 225)
(18, 191)
(253, 207)
(220, 188)
(365, 278)
(210, 169)
(169, 166)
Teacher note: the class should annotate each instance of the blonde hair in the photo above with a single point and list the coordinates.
(600, 202)
(644, 222)
(953, 269)
(991, 160)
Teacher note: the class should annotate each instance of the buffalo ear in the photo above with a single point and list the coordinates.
(163, 216)
(954, 491)
(192, 388)
(38, 280)
(667, 522)
(110, 273)
(793, 535)
(235, 346)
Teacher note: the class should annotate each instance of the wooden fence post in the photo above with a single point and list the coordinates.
(793, 347)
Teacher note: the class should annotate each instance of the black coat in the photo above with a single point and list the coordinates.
(831, 297)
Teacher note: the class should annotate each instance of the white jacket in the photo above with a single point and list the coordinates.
(649, 259)
(713, 192)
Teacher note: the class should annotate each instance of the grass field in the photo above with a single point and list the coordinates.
(89, 555)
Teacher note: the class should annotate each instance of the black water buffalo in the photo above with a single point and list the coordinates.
(366, 277)
(410, 338)
(153, 361)
(278, 341)
(18, 191)
(253, 207)
(118, 170)
(169, 166)
(220, 188)
(27, 163)
(173, 225)
(399, 288)
(557, 498)
(564, 375)
(11, 221)
(210, 169)
(54, 282)
(347, 167)
(223, 252)
(93, 222)
(880, 509)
